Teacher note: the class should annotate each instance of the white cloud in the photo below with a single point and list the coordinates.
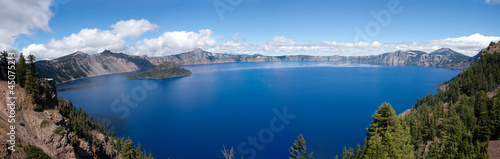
(133, 28)
(281, 41)
(92, 40)
(22, 17)
(468, 45)
(174, 42)
(95, 40)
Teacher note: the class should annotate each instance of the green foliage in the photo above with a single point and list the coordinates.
(59, 130)
(299, 149)
(74, 142)
(456, 122)
(38, 108)
(127, 150)
(388, 136)
(82, 124)
(44, 123)
(32, 152)
(164, 70)
(3, 65)
(21, 123)
(21, 70)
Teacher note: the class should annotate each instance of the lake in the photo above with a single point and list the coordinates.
(258, 108)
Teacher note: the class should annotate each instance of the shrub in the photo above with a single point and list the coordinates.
(74, 142)
(31, 151)
(38, 108)
(44, 123)
(59, 130)
(21, 123)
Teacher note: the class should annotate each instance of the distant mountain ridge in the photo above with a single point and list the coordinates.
(80, 65)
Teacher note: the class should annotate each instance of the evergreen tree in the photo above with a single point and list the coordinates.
(127, 150)
(21, 70)
(3, 65)
(48, 95)
(358, 152)
(31, 61)
(388, 136)
(138, 151)
(347, 153)
(375, 148)
(299, 149)
(483, 127)
(495, 117)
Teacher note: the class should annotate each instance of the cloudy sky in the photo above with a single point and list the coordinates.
(54, 28)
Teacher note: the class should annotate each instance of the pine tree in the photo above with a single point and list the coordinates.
(138, 151)
(31, 61)
(358, 152)
(347, 153)
(483, 127)
(495, 117)
(127, 150)
(299, 149)
(388, 136)
(48, 95)
(375, 148)
(3, 65)
(21, 70)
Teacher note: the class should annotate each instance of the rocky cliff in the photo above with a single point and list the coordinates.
(48, 130)
(443, 58)
(80, 65)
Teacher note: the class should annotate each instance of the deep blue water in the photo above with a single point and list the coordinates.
(230, 104)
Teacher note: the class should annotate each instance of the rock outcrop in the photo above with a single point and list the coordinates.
(80, 65)
(38, 129)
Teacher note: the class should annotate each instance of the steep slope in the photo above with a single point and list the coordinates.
(48, 129)
(80, 65)
(443, 58)
(461, 121)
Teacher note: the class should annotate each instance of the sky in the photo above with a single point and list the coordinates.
(54, 28)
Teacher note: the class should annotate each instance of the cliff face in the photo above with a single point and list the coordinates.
(443, 58)
(80, 65)
(38, 129)
(199, 56)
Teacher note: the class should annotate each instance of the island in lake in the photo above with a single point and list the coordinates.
(164, 70)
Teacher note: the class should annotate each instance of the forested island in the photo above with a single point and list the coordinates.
(164, 70)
